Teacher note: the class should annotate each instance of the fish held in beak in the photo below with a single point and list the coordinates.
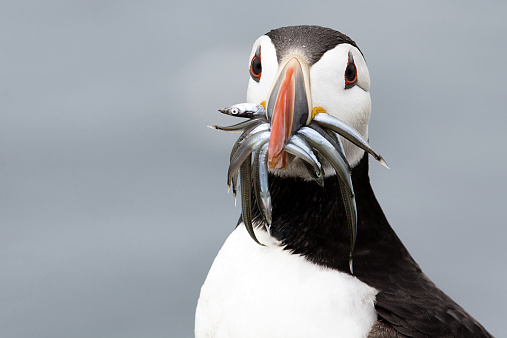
(287, 110)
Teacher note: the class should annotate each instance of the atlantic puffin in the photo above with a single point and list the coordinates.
(297, 278)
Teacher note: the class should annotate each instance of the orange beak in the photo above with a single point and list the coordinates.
(288, 109)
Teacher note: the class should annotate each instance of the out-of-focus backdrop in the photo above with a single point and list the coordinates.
(113, 200)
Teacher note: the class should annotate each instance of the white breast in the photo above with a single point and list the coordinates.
(256, 291)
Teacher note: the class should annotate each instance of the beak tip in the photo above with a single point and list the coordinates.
(278, 161)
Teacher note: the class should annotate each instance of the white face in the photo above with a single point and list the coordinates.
(259, 91)
(328, 87)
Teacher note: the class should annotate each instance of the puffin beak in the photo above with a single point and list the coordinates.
(288, 108)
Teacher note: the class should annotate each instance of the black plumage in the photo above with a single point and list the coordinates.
(310, 220)
(311, 41)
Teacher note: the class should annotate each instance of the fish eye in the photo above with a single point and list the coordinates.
(256, 65)
(350, 73)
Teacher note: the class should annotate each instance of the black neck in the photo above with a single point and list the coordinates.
(310, 220)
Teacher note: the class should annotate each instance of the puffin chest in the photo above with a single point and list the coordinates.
(265, 291)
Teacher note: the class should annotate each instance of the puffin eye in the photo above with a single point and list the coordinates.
(350, 73)
(256, 66)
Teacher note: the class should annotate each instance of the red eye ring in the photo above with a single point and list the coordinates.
(350, 73)
(256, 67)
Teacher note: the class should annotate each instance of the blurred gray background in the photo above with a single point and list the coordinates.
(113, 200)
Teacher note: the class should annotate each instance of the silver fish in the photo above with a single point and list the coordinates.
(239, 127)
(353, 227)
(301, 143)
(330, 122)
(314, 169)
(330, 136)
(248, 132)
(244, 150)
(246, 196)
(250, 110)
(323, 146)
(326, 148)
(260, 180)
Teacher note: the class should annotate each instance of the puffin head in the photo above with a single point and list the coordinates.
(309, 105)
(297, 72)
